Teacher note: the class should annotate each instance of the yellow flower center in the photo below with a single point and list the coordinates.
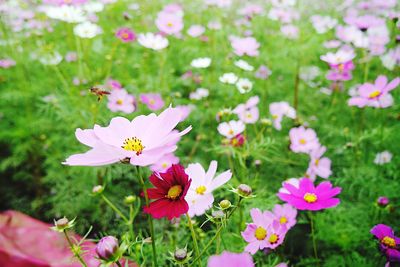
(310, 197)
(374, 94)
(274, 117)
(341, 67)
(169, 24)
(234, 141)
(260, 233)
(174, 192)
(230, 132)
(201, 189)
(164, 165)
(133, 144)
(152, 101)
(302, 141)
(316, 162)
(119, 102)
(283, 220)
(249, 115)
(273, 238)
(125, 35)
(388, 241)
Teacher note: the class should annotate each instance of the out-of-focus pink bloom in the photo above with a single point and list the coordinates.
(126, 35)
(7, 63)
(364, 22)
(120, 100)
(64, 2)
(26, 241)
(231, 259)
(309, 197)
(248, 112)
(322, 24)
(341, 65)
(263, 72)
(256, 233)
(143, 141)
(164, 163)
(199, 196)
(286, 215)
(280, 109)
(282, 264)
(173, 8)
(196, 30)
(375, 95)
(186, 110)
(169, 23)
(245, 46)
(231, 129)
(113, 84)
(303, 140)
(332, 44)
(284, 15)
(290, 31)
(319, 165)
(152, 101)
(71, 56)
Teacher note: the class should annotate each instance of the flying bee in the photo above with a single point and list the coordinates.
(98, 92)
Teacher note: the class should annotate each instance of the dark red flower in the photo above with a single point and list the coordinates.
(170, 191)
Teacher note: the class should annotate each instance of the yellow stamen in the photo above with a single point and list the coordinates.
(174, 192)
(201, 189)
(230, 132)
(273, 238)
(164, 165)
(152, 101)
(124, 35)
(169, 24)
(310, 197)
(283, 220)
(374, 94)
(302, 141)
(316, 162)
(389, 242)
(274, 117)
(133, 144)
(119, 102)
(260, 233)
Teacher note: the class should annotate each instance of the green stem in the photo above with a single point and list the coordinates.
(114, 208)
(76, 254)
(149, 219)
(131, 219)
(196, 246)
(313, 238)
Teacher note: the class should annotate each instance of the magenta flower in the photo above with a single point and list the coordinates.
(169, 23)
(303, 140)
(7, 63)
(231, 259)
(120, 100)
(152, 101)
(107, 248)
(375, 95)
(245, 46)
(143, 141)
(256, 233)
(286, 215)
(309, 197)
(126, 35)
(319, 165)
(388, 242)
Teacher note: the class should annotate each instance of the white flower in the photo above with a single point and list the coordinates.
(67, 13)
(201, 63)
(93, 7)
(87, 30)
(309, 73)
(199, 94)
(322, 24)
(51, 59)
(244, 85)
(231, 129)
(244, 65)
(199, 196)
(340, 57)
(229, 78)
(153, 41)
(383, 157)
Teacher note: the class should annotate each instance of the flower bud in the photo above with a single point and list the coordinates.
(383, 201)
(180, 254)
(62, 223)
(225, 204)
(107, 248)
(129, 199)
(98, 189)
(244, 190)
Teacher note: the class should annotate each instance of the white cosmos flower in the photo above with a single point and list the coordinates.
(244, 85)
(51, 59)
(67, 13)
(383, 158)
(231, 129)
(199, 94)
(153, 41)
(201, 63)
(244, 65)
(229, 78)
(199, 196)
(87, 30)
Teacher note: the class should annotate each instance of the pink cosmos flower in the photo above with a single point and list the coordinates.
(169, 23)
(196, 30)
(113, 84)
(245, 46)
(165, 163)
(290, 31)
(375, 95)
(276, 234)
(6, 63)
(229, 259)
(293, 181)
(186, 110)
(143, 141)
(126, 35)
(199, 195)
(71, 56)
(309, 197)
(120, 100)
(248, 112)
(256, 233)
(152, 101)
(303, 140)
(231, 129)
(286, 215)
(263, 72)
(280, 109)
(319, 165)
(341, 65)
